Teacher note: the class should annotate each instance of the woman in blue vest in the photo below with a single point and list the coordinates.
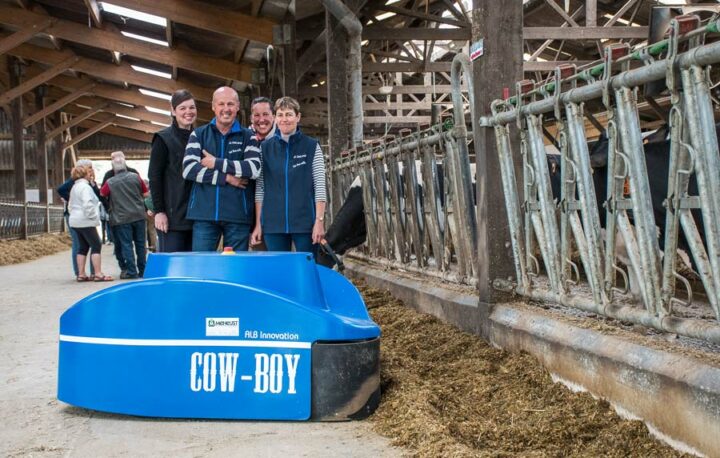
(290, 195)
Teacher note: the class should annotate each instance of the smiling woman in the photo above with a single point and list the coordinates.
(290, 196)
(170, 192)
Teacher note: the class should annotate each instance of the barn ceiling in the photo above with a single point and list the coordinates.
(110, 71)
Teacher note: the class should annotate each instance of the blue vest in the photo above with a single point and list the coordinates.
(222, 203)
(289, 200)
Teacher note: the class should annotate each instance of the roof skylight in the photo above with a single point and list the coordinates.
(127, 12)
(144, 38)
(157, 110)
(159, 95)
(150, 71)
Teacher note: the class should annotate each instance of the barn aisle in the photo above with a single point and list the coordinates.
(33, 295)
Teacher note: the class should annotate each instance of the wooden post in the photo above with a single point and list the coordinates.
(337, 90)
(17, 131)
(42, 162)
(501, 65)
(290, 87)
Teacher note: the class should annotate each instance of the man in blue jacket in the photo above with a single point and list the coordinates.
(219, 203)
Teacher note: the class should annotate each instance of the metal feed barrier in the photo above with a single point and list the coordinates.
(23, 219)
(536, 221)
(418, 218)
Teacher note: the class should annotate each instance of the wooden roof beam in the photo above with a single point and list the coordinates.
(145, 117)
(207, 17)
(77, 119)
(120, 132)
(55, 106)
(423, 16)
(142, 125)
(36, 81)
(122, 72)
(23, 35)
(114, 41)
(129, 96)
(94, 11)
(88, 133)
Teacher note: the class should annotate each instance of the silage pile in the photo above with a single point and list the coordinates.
(17, 251)
(448, 393)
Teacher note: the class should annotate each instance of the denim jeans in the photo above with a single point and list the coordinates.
(206, 235)
(126, 235)
(282, 242)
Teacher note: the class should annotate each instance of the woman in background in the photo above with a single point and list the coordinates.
(169, 190)
(84, 209)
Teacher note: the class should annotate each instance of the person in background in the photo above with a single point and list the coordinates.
(84, 218)
(126, 191)
(151, 233)
(64, 192)
(290, 196)
(117, 249)
(170, 193)
(219, 204)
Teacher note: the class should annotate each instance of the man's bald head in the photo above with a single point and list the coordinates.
(225, 105)
(225, 91)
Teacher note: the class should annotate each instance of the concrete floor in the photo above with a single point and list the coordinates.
(32, 298)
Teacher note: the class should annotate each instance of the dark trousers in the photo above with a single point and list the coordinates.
(174, 241)
(127, 235)
(282, 242)
(206, 235)
(75, 245)
(117, 248)
(89, 240)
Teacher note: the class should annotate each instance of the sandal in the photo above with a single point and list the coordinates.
(82, 278)
(103, 278)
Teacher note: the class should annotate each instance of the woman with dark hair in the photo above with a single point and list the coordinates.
(170, 192)
(290, 194)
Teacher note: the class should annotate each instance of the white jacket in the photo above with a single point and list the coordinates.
(83, 205)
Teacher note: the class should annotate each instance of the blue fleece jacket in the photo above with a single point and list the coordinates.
(211, 198)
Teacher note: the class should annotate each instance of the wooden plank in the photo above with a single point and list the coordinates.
(21, 36)
(584, 33)
(208, 17)
(104, 154)
(590, 13)
(94, 12)
(414, 33)
(61, 102)
(77, 119)
(114, 41)
(86, 134)
(420, 15)
(37, 80)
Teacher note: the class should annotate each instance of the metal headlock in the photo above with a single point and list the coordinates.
(693, 153)
(418, 197)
